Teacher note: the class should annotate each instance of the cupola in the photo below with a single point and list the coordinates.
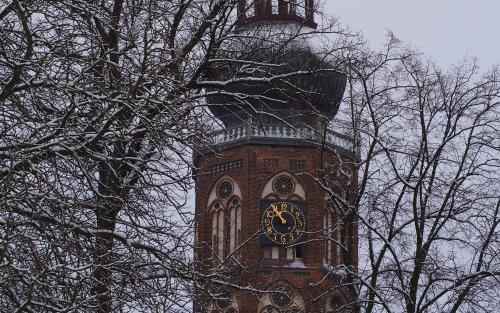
(272, 70)
(301, 11)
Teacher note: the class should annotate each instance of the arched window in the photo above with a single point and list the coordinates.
(281, 299)
(336, 304)
(234, 226)
(218, 231)
(225, 213)
(293, 6)
(333, 226)
(220, 235)
(223, 303)
(283, 186)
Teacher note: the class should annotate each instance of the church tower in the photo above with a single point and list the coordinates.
(270, 224)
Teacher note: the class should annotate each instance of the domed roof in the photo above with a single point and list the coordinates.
(274, 68)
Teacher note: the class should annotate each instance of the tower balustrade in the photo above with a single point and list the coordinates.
(301, 11)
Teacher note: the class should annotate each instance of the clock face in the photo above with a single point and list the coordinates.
(284, 222)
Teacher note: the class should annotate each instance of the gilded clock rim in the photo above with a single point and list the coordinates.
(301, 230)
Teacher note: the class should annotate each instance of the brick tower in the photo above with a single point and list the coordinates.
(269, 222)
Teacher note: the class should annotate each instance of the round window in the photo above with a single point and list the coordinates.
(225, 189)
(283, 185)
(282, 297)
(223, 301)
(270, 309)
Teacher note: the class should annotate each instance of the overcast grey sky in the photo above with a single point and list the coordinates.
(446, 30)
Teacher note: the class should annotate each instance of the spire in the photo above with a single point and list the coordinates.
(301, 11)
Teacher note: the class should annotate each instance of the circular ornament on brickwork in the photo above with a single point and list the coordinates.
(223, 301)
(225, 189)
(282, 297)
(284, 185)
(295, 310)
(270, 309)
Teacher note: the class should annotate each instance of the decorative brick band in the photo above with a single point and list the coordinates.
(222, 168)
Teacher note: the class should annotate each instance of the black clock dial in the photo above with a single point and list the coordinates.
(284, 222)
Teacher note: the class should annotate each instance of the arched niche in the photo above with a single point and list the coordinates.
(215, 195)
(225, 303)
(286, 187)
(337, 302)
(225, 211)
(282, 297)
(277, 188)
(333, 227)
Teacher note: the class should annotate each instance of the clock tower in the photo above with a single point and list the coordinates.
(271, 192)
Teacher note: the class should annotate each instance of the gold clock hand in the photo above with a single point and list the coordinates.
(275, 209)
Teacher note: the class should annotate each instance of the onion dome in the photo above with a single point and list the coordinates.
(271, 69)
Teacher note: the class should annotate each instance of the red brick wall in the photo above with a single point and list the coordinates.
(251, 177)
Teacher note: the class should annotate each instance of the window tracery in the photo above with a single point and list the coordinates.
(235, 226)
(225, 189)
(223, 303)
(336, 304)
(333, 225)
(283, 185)
(272, 309)
(225, 211)
(282, 299)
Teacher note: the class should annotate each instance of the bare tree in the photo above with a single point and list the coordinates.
(102, 104)
(98, 113)
(428, 199)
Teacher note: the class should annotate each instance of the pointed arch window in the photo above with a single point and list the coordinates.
(218, 232)
(225, 214)
(223, 303)
(336, 304)
(293, 7)
(333, 226)
(282, 299)
(235, 226)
